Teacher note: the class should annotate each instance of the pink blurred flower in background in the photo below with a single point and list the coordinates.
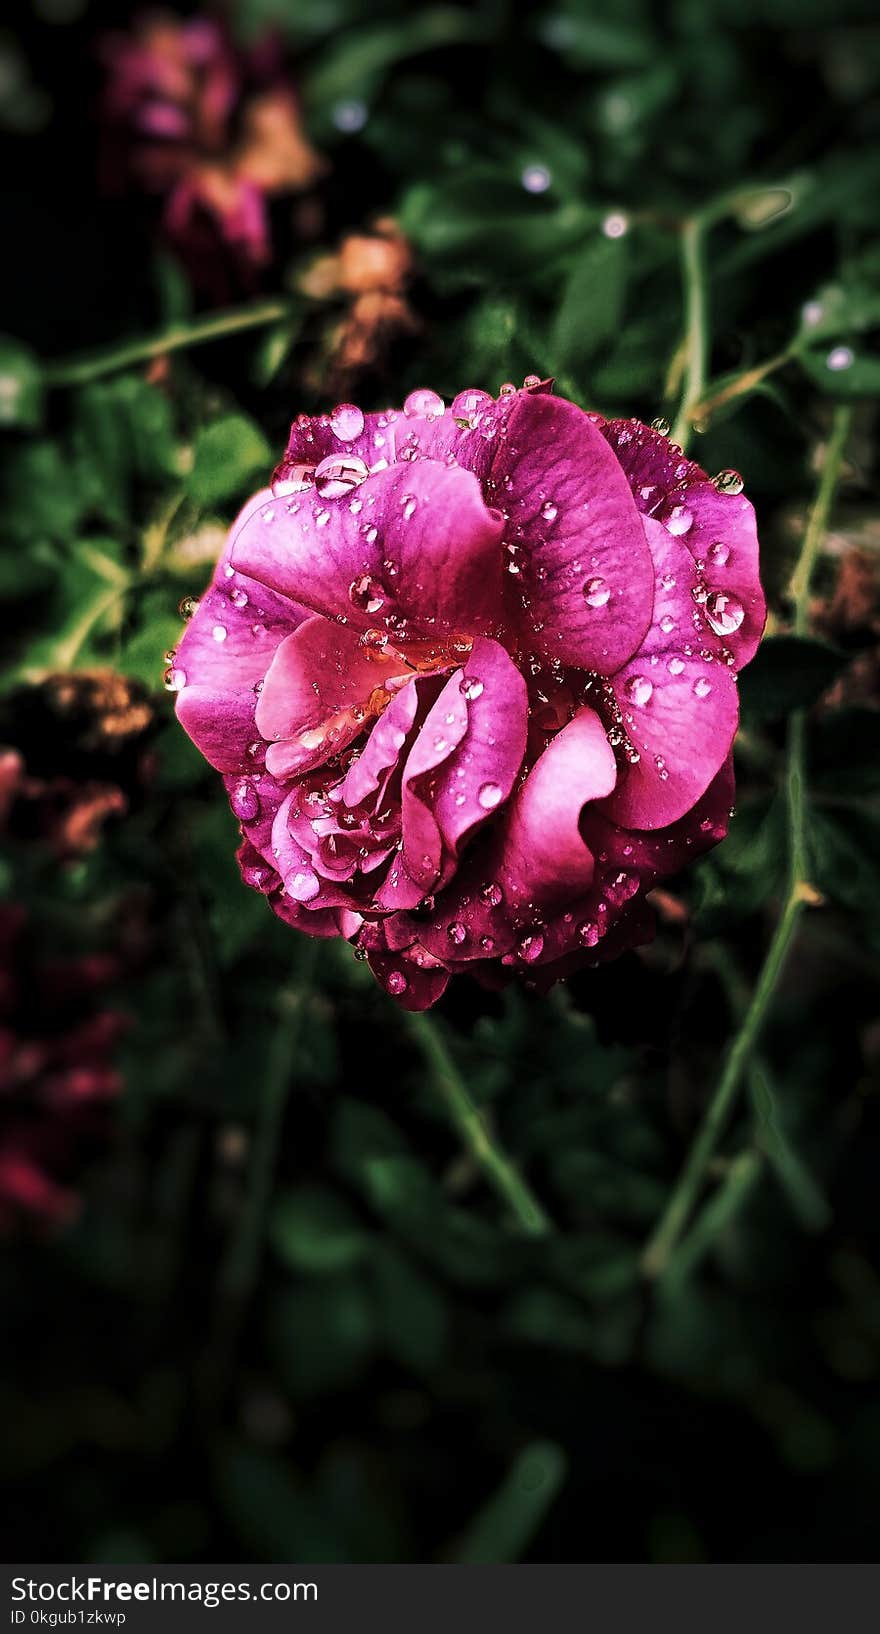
(57, 1077)
(213, 132)
(469, 673)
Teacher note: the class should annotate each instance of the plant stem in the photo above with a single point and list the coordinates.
(497, 1167)
(77, 371)
(693, 266)
(799, 891)
(243, 1260)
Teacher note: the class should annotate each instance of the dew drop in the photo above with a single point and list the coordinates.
(188, 607)
(531, 947)
(423, 403)
(366, 594)
(675, 666)
(303, 886)
(661, 425)
(639, 690)
(549, 511)
(456, 932)
(679, 520)
(492, 894)
(347, 422)
(245, 801)
(719, 553)
(702, 687)
(219, 632)
(396, 983)
(267, 514)
(489, 796)
(470, 687)
(596, 593)
(667, 624)
(725, 613)
(728, 482)
(588, 932)
(174, 679)
(469, 407)
(238, 597)
(339, 474)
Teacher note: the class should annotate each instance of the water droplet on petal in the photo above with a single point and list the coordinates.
(219, 632)
(588, 932)
(492, 894)
(456, 933)
(188, 607)
(702, 687)
(675, 666)
(338, 474)
(490, 795)
(245, 801)
(639, 690)
(469, 407)
(549, 511)
(596, 593)
(679, 520)
(470, 687)
(396, 983)
(347, 422)
(423, 403)
(728, 482)
(531, 947)
(667, 624)
(661, 425)
(174, 679)
(367, 594)
(719, 553)
(303, 886)
(725, 613)
(238, 597)
(267, 515)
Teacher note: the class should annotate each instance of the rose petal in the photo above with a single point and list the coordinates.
(718, 529)
(464, 762)
(584, 591)
(223, 655)
(412, 548)
(678, 703)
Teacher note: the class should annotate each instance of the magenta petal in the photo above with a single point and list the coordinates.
(584, 581)
(718, 529)
(222, 657)
(412, 546)
(653, 854)
(464, 762)
(544, 856)
(370, 772)
(315, 694)
(678, 701)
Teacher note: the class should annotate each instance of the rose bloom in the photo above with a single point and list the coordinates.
(214, 132)
(469, 674)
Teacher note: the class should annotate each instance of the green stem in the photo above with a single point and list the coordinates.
(242, 1265)
(799, 891)
(77, 371)
(693, 266)
(497, 1167)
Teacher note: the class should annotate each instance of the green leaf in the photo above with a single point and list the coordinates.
(842, 371)
(323, 1333)
(314, 1230)
(592, 303)
(504, 1527)
(21, 386)
(788, 672)
(358, 59)
(411, 1311)
(845, 757)
(227, 455)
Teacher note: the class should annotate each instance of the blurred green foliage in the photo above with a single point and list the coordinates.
(372, 1364)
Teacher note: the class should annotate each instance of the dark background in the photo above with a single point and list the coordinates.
(385, 1370)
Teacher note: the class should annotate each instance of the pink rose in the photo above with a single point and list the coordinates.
(470, 676)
